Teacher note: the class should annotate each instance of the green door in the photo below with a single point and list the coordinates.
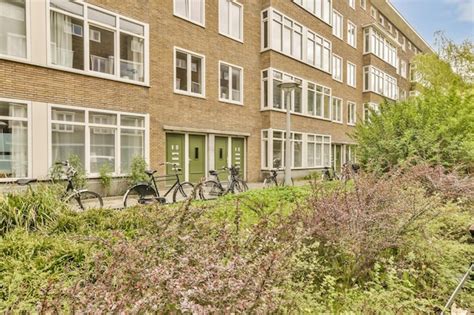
(197, 157)
(220, 152)
(175, 153)
(238, 155)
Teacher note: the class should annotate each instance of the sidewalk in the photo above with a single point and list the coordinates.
(116, 202)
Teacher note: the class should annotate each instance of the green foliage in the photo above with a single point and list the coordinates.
(437, 127)
(137, 170)
(105, 175)
(80, 179)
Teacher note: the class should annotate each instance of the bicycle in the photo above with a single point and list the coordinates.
(330, 174)
(349, 170)
(147, 192)
(212, 189)
(272, 181)
(77, 199)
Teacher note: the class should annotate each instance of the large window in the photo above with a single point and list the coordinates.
(337, 68)
(403, 69)
(103, 43)
(320, 8)
(231, 19)
(338, 25)
(307, 150)
(351, 113)
(192, 10)
(315, 104)
(230, 83)
(377, 81)
(336, 111)
(369, 110)
(351, 74)
(189, 73)
(284, 35)
(351, 34)
(379, 45)
(97, 138)
(352, 3)
(14, 126)
(13, 34)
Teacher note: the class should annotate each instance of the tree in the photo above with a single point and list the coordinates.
(435, 127)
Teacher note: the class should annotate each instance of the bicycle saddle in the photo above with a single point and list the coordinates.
(26, 181)
(150, 172)
(213, 173)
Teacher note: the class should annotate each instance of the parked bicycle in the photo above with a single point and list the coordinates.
(214, 188)
(330, 174)
(349, 170)
(147, 192)
(77, 199)
(272, 179)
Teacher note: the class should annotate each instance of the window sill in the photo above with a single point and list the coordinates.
(337, 80)
(203, 25)
(283, 111)
(222, 100)
(184, 93)
(231, 37)
(338, 122)
(351, 124)
(352, 86)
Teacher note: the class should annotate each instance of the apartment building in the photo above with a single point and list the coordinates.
(194, 82)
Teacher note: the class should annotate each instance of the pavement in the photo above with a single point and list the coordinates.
(116, 202)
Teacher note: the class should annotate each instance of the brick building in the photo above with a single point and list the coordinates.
(194, 82)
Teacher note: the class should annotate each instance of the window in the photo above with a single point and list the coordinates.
(69, 41)
(231, 19)
(351, 113)
(377, 81)
(320, 8)
(316, 102)
(402, 42)
(338, 24)
(373, 12)
(363, 4)
(287, 36)
(14, 137)
(337, 68)
(352, 3)
(97, 138)
(230, 83)
(351, 74)
(13, 33)
(189, 73)
(307, 150)
(369, 109)
(379, 45)
(381, 20)
(336, 109)
(390, 28)
(351, 34)
(192, 10)
(403, 69)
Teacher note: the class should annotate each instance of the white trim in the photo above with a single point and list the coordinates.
(298, 2)
(190, 54)
(349, 103)
(26, 59)
(341, 68)
(188, 19)
(240, 40)
(335, 12)
(355, 74)
(231, 66)
(350, 23)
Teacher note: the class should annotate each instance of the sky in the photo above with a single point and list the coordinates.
(455, 17)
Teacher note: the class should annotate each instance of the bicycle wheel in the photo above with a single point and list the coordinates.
(283, 182)
(240, 186)
(269, 182)
(84, 200)
(183, 191)
(139, 195)
(210, 190)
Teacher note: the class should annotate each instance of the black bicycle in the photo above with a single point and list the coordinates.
(214, 188)
(272, 179)
(330, 174)
(77, 199)
(148, 193)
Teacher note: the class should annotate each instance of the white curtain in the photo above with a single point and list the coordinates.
(19, 144)
(61, 40)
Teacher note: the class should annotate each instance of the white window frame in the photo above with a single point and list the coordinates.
(28, 119)
(87, 138)
(341, 68)
(27, 38)
(341, 25)
(377, 43)
(325, 44)
(188, 18)
(373, 12)
(352, 4)
(385, 84)
(335, 116)
(325, 140)
(403, 69)
(363, 4)
(86, 36)
(351, 113)
(354, 77)
(232, 2)
(231, 66)
(366, 110)
(351, 38)
(190, 54)
(319, 14)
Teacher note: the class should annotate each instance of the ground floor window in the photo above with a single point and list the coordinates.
(307, 150)
(97, 138)
(14, 137)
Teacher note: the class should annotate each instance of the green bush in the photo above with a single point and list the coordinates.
(105, 175)
(137, 170)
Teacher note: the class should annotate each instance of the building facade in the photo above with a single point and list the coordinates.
(194, 82)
